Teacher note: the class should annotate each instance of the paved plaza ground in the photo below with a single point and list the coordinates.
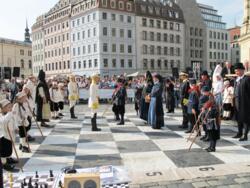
(153, 158)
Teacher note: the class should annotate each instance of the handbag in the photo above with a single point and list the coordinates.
(147, 99)
(5, 147)
(46, 111)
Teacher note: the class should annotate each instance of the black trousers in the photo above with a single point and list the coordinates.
(23, 129)
(192, 120)
(242, 126)
(185, 115)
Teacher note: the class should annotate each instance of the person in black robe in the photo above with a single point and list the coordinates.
(121, 96)
(156, 113)
(138, 95)
(144, 103)
(184, 94)
(242, 102)
(42, 97)
(170, 98)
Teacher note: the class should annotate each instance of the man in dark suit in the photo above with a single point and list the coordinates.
(121, 96)
(205, 80)
(184, 94)
(242, 102)
(227, 69)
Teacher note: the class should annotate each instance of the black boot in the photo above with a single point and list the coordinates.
(122, 120)
(117, 118)
(244, 138)
(72, 113)
(94, 124)
(10, 160)
(43, 124)
(238, 135)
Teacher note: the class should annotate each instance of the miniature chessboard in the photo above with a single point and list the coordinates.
(43, 180)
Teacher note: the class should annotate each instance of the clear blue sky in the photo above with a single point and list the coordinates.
(13, 14)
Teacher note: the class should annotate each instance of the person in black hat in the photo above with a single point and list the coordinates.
(121, 96)
(144, 103)
(205, 80)
(242, 102)
(184, 94)
(193, 104)
(156, 113)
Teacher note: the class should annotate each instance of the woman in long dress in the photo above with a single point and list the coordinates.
(144, 104)
(156, 113)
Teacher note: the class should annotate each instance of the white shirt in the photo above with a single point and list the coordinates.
(73, 89)
(21, 116)
(228, 95)
(93, 94)
(218, 87)
(55, 95)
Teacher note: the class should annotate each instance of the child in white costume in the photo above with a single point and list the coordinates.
(7, 131)
(21, 121)
(94, 101)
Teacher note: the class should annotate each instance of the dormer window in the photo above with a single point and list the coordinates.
(104, 3)
(121, 5)
(150, 10)
(129, 7)
(113, 5)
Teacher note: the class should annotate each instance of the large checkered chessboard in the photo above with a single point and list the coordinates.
(144, 152)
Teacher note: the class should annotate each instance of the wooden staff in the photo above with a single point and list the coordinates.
(106, 109)
(198, 132)
(196, 124)
(13, 146)
(35, 119)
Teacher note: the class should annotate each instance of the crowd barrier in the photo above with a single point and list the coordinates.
(104, 93)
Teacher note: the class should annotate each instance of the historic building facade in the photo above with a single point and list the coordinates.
(195, 36)
(57, 39)
(38, 45)
(103, 37)
(245, 34)
(234, 44)
(217, 38)
(159, 36)
(18, 54)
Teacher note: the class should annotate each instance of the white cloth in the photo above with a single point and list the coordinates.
(218, 87)
(93, 97)
(7, 121)
(20, 116)
(228, 95)
(61, 95)
(30, 103)
(32, 88)
(55, 95)
(73, 92)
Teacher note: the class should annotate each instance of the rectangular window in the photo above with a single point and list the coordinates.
(95, 48)
(105, 47)
(113, 47)
(121, 18)
(144, 22)
(129, 20)
(105, 63)
(113, 63)
(130, 63)
(129, 49)
(113, 17)
(95, 63)
(89, 49)
(104, 16)
(122, 63)
(121, 48)
(105, 31)
(122, 33)
(129, 34)
(113, 32)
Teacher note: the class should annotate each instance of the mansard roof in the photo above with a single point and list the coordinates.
(166, 9)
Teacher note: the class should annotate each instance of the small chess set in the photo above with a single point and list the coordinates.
(31, 180)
